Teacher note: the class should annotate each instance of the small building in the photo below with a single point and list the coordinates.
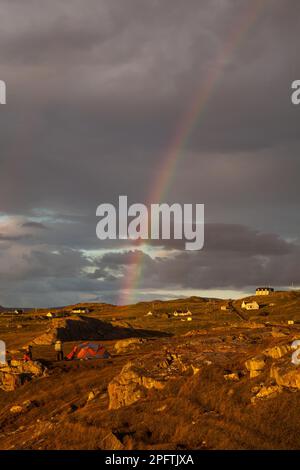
(182, 313)
(80, 310)
(250, 305)
(225, 308)
(149, 314)
(264, 290)
(56, 314)
(18, 311)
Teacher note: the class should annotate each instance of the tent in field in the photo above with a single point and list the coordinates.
(88, 350)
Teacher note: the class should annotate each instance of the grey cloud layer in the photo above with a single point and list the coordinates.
(234, 257)
(96, 91)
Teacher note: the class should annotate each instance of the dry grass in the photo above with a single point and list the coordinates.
(193, 412)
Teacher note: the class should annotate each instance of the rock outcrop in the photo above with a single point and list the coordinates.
(266, 392)
(125, 345)
(25, 406)
(78, 328)
(152, 371)
(111, 442)
(233, 376)
(255, 366)
(286, 375)
(131, 385)
(278, 351)
(82, 328)
(279, 333)
(16, 373)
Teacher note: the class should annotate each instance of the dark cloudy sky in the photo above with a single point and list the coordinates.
(95, 92)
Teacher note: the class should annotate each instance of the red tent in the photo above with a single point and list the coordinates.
(88, 350)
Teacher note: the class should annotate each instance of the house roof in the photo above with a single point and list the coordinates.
(264, 288)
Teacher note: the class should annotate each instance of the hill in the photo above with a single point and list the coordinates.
(221, 381)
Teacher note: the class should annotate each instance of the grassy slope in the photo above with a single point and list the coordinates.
(195, 409)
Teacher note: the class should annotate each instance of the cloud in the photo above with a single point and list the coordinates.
(35, 225)
(96, 95)
(234, 257)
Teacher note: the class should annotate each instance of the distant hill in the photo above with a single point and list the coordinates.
(280, 305)
(12, 309)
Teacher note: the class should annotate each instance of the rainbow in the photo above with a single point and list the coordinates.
(185, 128)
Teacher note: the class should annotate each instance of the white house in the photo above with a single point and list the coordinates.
(80, 310)
(224, 308)
(250, 305)
(264, 290)
(149, 314)
(181, 313)
(56, 314)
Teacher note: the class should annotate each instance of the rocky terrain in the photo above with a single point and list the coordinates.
(221, 381)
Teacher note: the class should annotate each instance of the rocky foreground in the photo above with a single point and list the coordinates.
(226, 387)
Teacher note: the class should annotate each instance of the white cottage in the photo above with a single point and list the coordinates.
(250, 305)
(264, 290)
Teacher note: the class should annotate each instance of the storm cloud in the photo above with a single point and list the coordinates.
(96, 93)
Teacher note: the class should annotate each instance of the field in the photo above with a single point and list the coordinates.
(223, 380)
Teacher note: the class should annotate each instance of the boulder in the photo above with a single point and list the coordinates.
(26, 406)
(173, 360)
(266, 392)
(131, 385)
(29, 367)
(196, 333)
(15, 363)
(93, 394)
(195, 369)
(234, 377)
(29, 404)
(110, 442)
(255, 366)
(10, 382)
(278, 351)
(254, 373)
(279, 333)
(126, 344)
(16, 373)
(16, 409)
(286, 375)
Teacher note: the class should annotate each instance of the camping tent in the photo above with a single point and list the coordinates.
(88, 350)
